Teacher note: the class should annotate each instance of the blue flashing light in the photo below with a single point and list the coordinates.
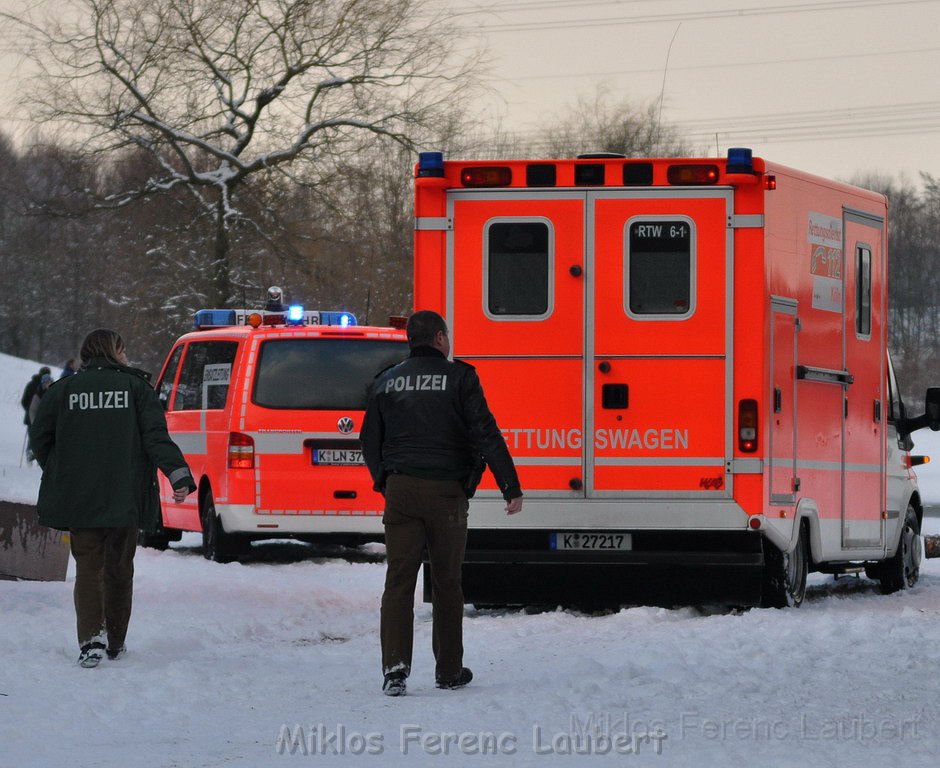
(430, 164)
(740, 160)
(214, 318)
(295, 314)
(342, 319)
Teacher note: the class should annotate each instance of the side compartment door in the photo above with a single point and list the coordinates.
(515, 307)
(658, 362)
(784, 482)
(865, 359)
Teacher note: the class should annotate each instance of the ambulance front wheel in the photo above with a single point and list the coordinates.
(902, 570)
(785, 574)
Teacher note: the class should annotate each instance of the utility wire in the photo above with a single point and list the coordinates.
(581, 23)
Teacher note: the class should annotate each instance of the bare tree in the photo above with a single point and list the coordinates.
(220, 92)
(598, 124)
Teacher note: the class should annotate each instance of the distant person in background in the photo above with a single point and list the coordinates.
(29, 391)
(99, 437)
(44, 383)
(69, 369)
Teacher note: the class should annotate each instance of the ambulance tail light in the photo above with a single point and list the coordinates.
(747, 426)
(688, 174)
(241, 451)
(486, 176)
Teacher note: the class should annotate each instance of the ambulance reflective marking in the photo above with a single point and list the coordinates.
(659, 461)
(547, 461)
(191, 442)
(321, 512)
(288, 442)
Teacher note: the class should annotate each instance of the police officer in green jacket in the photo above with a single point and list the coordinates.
(99, 437)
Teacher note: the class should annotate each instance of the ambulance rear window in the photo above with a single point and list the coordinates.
(517, 276)
(322, 374)
(659, 267)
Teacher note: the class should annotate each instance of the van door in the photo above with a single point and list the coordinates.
(659, 324)
(865, 356)
(516, 312)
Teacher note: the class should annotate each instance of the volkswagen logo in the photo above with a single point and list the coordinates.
(345, 425)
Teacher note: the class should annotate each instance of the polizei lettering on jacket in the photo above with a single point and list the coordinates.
(93, 401)
(422, 382)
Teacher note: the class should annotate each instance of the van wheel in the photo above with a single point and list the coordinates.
(902, 569)
(217, 545)
(785, 574)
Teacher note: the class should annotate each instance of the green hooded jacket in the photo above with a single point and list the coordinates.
(99, 437)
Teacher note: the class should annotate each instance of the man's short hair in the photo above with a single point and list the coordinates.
(423, 326)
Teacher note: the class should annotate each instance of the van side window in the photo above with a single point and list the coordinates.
(863, 291)
(518, 269)
(204, 379)
(165, 385)
(659, 271)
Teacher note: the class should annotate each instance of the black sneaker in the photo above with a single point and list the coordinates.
(91, 655)
(394, 684)
(463, 677)
(116, 653)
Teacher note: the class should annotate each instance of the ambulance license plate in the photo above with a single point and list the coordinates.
(571, 540)
(337, 456)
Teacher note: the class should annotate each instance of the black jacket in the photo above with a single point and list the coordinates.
(99, 437)
(427, 417)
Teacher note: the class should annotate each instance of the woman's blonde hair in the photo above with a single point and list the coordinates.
(102, 342)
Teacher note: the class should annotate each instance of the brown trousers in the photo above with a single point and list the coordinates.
(104, 583)
(423, 513)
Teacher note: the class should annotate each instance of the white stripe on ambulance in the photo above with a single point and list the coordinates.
(659, 438)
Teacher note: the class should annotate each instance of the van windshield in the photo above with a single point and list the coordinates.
(322, 373)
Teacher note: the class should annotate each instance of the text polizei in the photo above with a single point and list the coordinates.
(93, 401)
(423, 382)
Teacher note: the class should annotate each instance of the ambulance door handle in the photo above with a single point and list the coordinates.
(778, 400)
(575, 270)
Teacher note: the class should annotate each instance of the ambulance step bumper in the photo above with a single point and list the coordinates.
(664, 568)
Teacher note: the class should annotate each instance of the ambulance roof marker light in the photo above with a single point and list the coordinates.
(344, 320)
(740, 160)
(295, 314)
(430, 164)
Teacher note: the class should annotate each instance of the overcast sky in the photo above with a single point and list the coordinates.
(835, 87)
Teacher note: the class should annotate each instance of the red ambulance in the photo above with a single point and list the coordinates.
(688, 359)
(267, 407)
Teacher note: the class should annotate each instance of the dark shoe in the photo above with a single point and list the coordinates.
(91, 655)
(463, 677)
(116, 653)
(394, 684)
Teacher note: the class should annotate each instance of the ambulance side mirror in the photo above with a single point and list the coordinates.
(932, 408)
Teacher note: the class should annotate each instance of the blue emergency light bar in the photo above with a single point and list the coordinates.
(295, 315)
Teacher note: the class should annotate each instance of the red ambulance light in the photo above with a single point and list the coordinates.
(747, 426)
(496, 176)
(754, 523)
(692, 174)
(770, 182)
(398, 321)
(241, 451)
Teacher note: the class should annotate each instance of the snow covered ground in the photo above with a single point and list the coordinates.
(276, 663)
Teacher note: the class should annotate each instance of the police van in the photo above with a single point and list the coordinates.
(267, 406)
(688, 359)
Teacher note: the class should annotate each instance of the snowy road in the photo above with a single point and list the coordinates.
(276, 663)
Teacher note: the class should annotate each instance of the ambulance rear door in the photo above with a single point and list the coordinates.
(659, 278)
(515, 299)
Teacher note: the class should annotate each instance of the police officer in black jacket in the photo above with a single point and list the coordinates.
(426, 435)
